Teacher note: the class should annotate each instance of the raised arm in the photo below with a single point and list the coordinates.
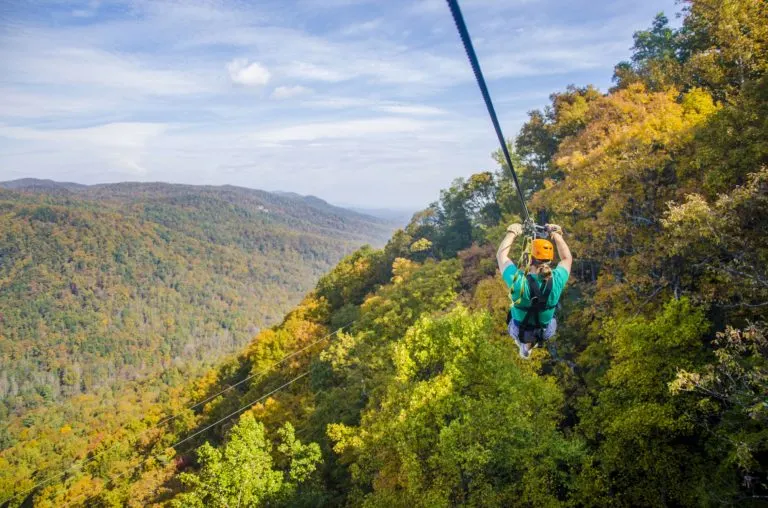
(566, 259)
(502, 255)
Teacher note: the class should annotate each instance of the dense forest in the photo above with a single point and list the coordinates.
(393, 383)
(104, 284)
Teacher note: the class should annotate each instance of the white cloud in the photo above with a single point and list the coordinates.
(363, 28)
(327, 4)
(330, 102)
(22, 104)
(390, 110)
(313, 72)
(365, 104)
(128, 165)
(431, 7)
(90, 10)
(405, 109)
(248, 74)
(83, 66)
(114, 147)
(116, 135)
(340, 130)
(287, 92)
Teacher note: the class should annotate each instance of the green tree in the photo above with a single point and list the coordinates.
(657, 58)
(726, 44)
(459, 423)
(646, 451)
(731, 411)
(242, 472)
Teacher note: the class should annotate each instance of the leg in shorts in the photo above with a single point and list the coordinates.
(547, 333)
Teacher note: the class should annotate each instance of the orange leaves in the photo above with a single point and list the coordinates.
(402, 269)
(615, 167)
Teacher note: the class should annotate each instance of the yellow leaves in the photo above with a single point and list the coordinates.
(81, 490)
(698, 105)
(573, 112)
(420, 245)
(371, 302)
(689, 222)
(361, 265)
(66, 429)
(695, 222)
(734, 40)
(684, 382)
(204, 384)
(617, 169)
(346, 438)
(271, 411)
(339, 353)
(302, 331)
(403, 268)
(575, 158)
(313, 308)
(491, 294)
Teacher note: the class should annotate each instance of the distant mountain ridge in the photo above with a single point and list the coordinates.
(129, 190)
(399, 216)
(104, 283)
(36, 184)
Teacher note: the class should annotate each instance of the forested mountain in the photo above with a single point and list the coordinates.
(110, 283)
(658, 397)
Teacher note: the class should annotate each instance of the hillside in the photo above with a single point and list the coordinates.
(394, 382)
(108, 283)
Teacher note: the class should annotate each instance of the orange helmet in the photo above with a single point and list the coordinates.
(542, 250)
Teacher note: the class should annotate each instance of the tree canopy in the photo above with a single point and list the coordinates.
(394, 383)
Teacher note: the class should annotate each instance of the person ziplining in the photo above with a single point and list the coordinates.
(535, 289)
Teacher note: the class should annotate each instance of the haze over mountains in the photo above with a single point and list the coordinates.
(112, 282)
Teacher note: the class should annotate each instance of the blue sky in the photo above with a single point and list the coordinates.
(367, 102)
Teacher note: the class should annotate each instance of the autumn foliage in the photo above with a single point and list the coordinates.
(412, 394)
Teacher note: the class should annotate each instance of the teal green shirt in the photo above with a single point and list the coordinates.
(559, 278)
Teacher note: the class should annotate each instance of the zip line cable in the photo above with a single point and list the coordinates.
(240, 410)
(87, 497)
(233, 413)
(291, 355)
(174, 416)
(470, 50)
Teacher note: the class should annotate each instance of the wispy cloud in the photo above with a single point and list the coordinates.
(118, 135)
(345, 99)
(116, 147)
(404, 109)
(362, 28)
(84, 66)
(313, 72)
(287, 92)
(341, 130)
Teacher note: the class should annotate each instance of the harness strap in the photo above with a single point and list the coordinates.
(539, 297)
(525, 261)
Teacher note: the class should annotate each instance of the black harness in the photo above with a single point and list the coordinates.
(539, 298)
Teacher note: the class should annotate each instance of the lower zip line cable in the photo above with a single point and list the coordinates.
(233, 413)
(174, 416)
(291, 355)
(208, 427)
(458, 18)
(87, 497)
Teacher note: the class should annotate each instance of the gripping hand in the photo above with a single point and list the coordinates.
(554, 229)
(515, 229)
